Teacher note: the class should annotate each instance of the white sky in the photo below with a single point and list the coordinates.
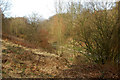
(44, 8)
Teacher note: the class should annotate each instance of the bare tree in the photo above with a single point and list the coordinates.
(118, 37)
(34, 20)
(5, 5)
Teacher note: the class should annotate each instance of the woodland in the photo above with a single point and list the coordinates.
(80, 41)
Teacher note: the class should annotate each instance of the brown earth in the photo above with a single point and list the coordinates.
(18, 62)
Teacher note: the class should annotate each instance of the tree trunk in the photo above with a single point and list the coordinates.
(118, 25)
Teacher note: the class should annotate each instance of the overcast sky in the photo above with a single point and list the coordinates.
(44, 8)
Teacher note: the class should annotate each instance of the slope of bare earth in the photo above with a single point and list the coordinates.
(19, 61)
(22, 62)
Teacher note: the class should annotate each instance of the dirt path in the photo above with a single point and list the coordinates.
(35, 51)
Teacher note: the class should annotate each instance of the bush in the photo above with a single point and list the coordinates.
(96, 30)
